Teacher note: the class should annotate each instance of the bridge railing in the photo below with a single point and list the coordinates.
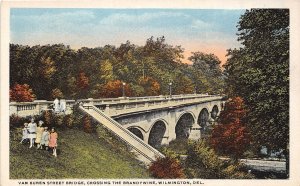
(114, 109)
(123, 133)
(24, 109)
(36, 107)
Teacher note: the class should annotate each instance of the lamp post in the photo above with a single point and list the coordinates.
(170, 87)
(123, 89)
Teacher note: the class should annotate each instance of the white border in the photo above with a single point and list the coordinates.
(293, 5)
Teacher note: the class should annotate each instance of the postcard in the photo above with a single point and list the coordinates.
(149, 93)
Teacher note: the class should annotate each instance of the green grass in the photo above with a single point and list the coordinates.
(80, 155)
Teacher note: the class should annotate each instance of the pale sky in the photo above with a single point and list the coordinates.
(209, 31)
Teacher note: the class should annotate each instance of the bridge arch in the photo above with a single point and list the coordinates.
(214, 112)
(184, 125)
(157, 132)
(137, 131)
(203, 120)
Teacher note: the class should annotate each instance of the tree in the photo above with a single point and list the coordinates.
(259, 73)
(150, 85)
(231, 136)
(114, 89)
(21, 93)
(57, 93)
(203, 162)
(208, 71)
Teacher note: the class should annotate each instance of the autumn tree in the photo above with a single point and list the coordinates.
(259, 73)
(114, 89)
(231, 136)
(21, 93)
(166, 168)
(57, 93)
(150, 85)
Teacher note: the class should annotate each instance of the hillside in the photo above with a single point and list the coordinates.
(80, 155)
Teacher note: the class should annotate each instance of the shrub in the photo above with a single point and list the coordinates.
(203, 162)
(69, 120)
(88, 125)
(17, 121)
(166, 168)
(47, 117)
(179, 146)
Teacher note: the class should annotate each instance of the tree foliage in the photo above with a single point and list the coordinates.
(166, 168)
(208, 72)
(114, 89)
(86, 72)
(21, 93)
(231, 136)
(259, 73)
(203, 162)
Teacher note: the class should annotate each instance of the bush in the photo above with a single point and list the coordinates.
(166, 168)
(88, 125)
(17, 121)
(179, 146)
(69, 120)
(203, 162)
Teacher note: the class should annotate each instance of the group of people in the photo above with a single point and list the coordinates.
(39, 135)
(59, 106)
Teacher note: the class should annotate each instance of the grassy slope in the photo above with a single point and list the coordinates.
(80, 155)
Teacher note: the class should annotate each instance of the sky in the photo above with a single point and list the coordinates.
(205, 30)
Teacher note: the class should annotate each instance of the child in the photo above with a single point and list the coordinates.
(39, 132)
(53, 141)
(45, 138)
(25, 133)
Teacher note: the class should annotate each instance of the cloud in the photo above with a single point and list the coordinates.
(199, 24)
(125, 18)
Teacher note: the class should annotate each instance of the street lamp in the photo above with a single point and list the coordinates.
(170, 87)
(124, 89)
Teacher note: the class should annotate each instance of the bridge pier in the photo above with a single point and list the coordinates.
(195, 133)
(171, 118)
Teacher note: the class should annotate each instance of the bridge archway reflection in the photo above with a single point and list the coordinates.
(157, 133)
(184, 125)
(136, 132)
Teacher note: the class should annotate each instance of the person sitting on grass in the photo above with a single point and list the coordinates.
(39, 132)
(53, 141)
(25, 133)
(45, 138)
(32, 132)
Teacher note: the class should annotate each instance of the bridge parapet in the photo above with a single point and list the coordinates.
(111, 106)
(24, 109)
(142, 105)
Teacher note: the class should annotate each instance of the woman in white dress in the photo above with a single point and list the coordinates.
(32, 132)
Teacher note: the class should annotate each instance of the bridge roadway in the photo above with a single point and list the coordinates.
(127, 106)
